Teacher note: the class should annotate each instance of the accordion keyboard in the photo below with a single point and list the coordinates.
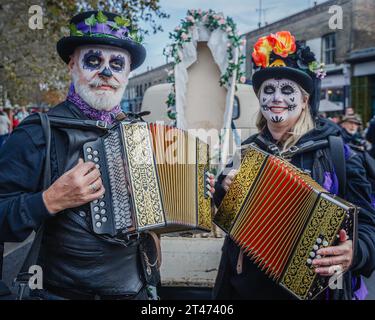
(108, 159)
(116, 174)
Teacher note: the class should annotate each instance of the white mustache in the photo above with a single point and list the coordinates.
(97, 82)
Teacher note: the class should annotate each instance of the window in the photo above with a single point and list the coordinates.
(329, 48)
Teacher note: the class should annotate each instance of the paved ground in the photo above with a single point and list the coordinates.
(15, 254)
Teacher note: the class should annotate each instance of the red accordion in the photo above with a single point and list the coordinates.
(280, 217)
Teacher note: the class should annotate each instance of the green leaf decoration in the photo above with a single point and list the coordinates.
(134, 35)
(101, 17)
(122, 22)
(91, 21)
(313, 66)
(74, 31)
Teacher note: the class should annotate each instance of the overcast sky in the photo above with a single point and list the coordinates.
(244, 13)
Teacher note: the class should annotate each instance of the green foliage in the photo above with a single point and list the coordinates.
(28, 57)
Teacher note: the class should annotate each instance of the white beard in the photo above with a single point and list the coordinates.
(102, 100)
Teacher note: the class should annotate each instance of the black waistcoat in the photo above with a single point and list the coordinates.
(72, 256)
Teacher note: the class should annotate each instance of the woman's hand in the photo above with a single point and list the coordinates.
(336, 259)
(229, 179)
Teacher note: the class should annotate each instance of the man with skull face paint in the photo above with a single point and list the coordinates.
(287, 83)
(77, 264)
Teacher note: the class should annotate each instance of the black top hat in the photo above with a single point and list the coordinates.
(102, 28)
(281, 56)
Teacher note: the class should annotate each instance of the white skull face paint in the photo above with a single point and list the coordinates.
(281, 100)
(100, 75)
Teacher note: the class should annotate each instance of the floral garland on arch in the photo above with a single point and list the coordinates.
(181, 35)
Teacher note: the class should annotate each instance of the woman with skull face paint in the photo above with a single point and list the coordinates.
(287, 83)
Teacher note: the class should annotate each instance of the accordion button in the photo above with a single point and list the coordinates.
(319, 241)
(96, 201)
(89, 157)
(95, 152)
(97, 166)
(104, 219)
(309, 261)
(89, 150)
(318, 257)
(103, 211)
(96, 159)
(316, 247)
(97, 216)
(312, 254)
(325, 244)
(96, 209)
(102, 203)
(98, 224)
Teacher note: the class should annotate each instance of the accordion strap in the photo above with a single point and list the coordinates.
(307, 146)
(63, 122)
(157, 246)
(31, 259)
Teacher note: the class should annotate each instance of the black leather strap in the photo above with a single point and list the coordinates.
(336, 145)
(63, 122)
(32, 256)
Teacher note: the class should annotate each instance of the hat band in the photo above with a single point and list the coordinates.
(108, 30)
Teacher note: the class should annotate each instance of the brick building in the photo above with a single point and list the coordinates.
(349, 53)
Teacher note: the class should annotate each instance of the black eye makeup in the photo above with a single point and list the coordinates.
(269, 89)
(92, 60)
(117, 63)
(287, 89)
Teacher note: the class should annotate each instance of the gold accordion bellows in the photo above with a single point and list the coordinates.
(155, 179)
(280, 217)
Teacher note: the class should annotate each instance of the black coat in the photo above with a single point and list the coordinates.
(72, 256)
(252, 283)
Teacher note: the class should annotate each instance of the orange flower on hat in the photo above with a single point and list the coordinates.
(284, 43)
(262, 51)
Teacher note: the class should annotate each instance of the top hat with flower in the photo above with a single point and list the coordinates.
(102, 28)
(279, 56)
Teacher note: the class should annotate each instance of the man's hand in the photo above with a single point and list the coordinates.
(336, 259)
(78, 186)
(229, 179)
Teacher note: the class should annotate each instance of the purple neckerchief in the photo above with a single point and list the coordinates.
(91, 113)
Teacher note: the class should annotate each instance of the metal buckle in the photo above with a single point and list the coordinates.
(22, 285)
(274, 149)
(133, 237)
(288, 154)
(101, 124)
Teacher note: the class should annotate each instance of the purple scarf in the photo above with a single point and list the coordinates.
(91, 113)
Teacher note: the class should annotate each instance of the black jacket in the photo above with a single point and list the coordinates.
(72, 256)
(252, 283)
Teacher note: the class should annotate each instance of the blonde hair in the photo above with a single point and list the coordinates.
(304, 124)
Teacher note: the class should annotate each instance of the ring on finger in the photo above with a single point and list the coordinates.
(93, 187)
